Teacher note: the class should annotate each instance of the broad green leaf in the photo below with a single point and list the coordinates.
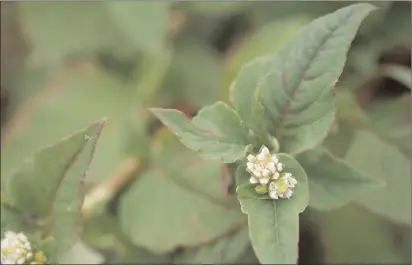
(274, 224)
(225, 250)
(216, 132)
(298, 91)
(385, 163)
(50, 183)
(95, 94)
(144, 23)
(181, 201)
(245, 90)
(60, 29)
(332, 182)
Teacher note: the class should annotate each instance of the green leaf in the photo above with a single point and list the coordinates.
(216, 132)
(142, 22)
(225, 250)
(274, 224)
(298, 91)
(385, 163)
(180, 202)
(246, 89)
(50, 183)
(332, 182)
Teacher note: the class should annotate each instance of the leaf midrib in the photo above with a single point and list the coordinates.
(287, 109)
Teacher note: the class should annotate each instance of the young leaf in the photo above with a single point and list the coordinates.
(332, 182)
(385, 163)
(297, 92)
(216, 132)
(180, 202)
(49, 185)
(225, 250)
(274, 224)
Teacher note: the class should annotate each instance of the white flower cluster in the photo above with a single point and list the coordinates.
(267, 171)
(15, 249)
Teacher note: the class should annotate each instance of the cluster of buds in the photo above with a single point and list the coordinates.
(16, 249)
(267, 173)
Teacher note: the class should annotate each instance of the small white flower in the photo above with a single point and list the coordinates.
(273, 195)
(251, 158)
(288, 193)
(260, 156)
(264, 180)
(264, 150)
(253, 180)
(279, 166)
(15, 248)
(265, 169)
(265, 173)
(270, 166)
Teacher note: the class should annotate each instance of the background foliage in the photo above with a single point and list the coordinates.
(148, 198)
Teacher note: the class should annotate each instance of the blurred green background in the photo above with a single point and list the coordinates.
(66, 64)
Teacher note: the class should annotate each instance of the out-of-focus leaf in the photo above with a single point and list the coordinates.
(399, 73)
(274, 224)
(194, 75)
(81, 254)
(50, 183)
(179, 201)
(297, 93)
(10, 221)
(384, 162)
(216, 132)
(225, 250)
(366, 239)
(102, 232)
(59, 29)
(391, 120)
(70, 100)
(142, 22)
(212, 8)
(332, 182)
